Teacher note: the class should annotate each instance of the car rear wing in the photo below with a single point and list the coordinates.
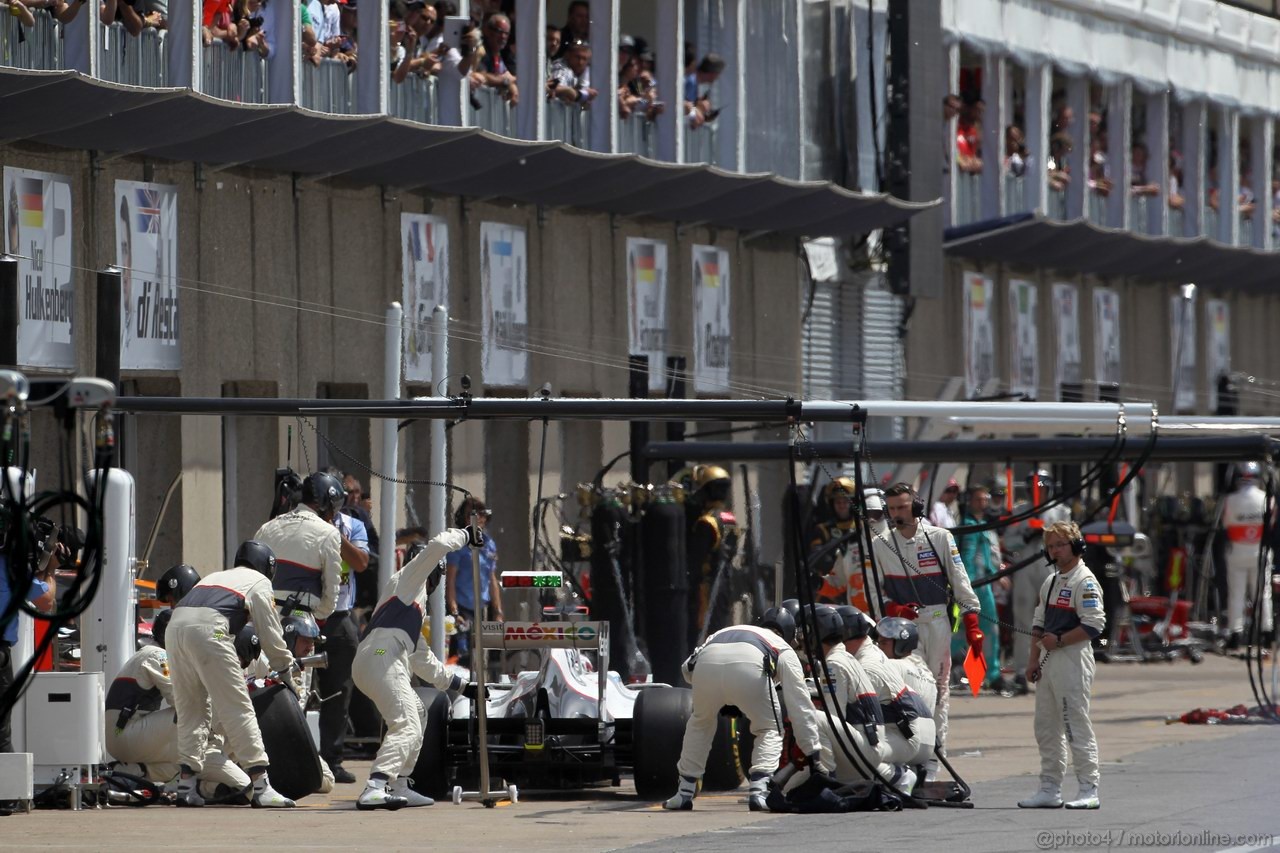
(554, 635)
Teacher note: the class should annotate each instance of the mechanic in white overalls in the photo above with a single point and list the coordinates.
(308, 547)
(923, 575)
(1067, 619)
(739, 666)
(1023, 541)
(1242, 523)
(208, 680)
(391, 653)
(141, 728)
(908, 715)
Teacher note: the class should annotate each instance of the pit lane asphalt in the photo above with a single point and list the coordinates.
(1182, 781)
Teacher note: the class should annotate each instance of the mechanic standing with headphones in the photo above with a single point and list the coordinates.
(1068, 617)
(923, 575)
(308, 547)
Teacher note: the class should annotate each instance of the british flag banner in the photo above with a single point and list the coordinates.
(425, 248)
(146, 217)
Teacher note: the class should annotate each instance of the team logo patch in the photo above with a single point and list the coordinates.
(927, 559)
(1064, 596)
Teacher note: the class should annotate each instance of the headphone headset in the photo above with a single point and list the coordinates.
(1077, 549)
(917, 506)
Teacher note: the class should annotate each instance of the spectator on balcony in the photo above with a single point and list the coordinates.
(217, 22)
(1015, 151)
(253, 29)
(1099, 166)
(412, 53)
(697, 83)
(19, 10)
(1059, 168)
(577, 26)
(969, 136)
(495, 65)
(1138, 182)
(566, 79)
(553, 42)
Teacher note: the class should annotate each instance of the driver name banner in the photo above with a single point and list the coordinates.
(647, 305)
(1182, 314)
(38, 233)
(1066, 316)
(711, 320)
(425, 249)
(979, 333)
(1106, 336)
(1024, 354)
(1218, 357)
(146, 217)
(505, 298)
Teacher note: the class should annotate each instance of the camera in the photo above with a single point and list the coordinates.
(256, 22)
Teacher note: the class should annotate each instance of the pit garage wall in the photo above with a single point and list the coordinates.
(935, 342)
(285, 284)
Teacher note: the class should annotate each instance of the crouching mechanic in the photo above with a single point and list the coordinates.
(898, 640)
(141, 731)
(909, 727)
(391, 653)
(208, 681)
(739, 666)
(859, 743)
(1067, 618)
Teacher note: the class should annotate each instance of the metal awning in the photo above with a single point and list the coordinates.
(1083, 247)
(71, 110)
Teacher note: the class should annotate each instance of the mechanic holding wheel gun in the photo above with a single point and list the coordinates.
(739, 666)
(1068, 617)
(391, 653)
(205, 669)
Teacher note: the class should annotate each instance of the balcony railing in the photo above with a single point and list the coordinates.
(1015, 193)
(414, 99)
(568, 123)
(968, 198)
(234, 75)
(1057, 205)
(38, 48)
(134, 60)
(637, 135)
(700, 144)
(328, 87)
(490, 111)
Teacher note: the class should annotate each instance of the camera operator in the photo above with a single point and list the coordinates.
(41, 592)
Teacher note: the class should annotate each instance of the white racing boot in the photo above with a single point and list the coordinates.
(400, 788)
(1087, 798)
(186, 792)
(377, 796)
(266, 797)
(758, 793)
(1048, 797)
(682, 801)
(904, 781)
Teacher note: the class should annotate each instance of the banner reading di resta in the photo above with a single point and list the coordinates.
(38, 233)
(147, 253)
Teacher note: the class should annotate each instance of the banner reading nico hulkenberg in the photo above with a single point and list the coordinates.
(146, 218)
(38, 232)
(711, 320)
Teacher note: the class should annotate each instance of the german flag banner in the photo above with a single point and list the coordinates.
(38, 233)
(712, 327)
(647, 305)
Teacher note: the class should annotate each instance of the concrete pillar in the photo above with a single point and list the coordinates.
(996, 95)
(374, 70)
(1039, 121)
(732, 88)
(1228, 125)
(604, 75)
(1262, 134)
(183, 44)
(670, 73)
(1157, 141)
(1194, 140)
(1119, 148)
(284, 64)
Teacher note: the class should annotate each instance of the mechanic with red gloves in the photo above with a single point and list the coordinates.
(391, 653)
(923, 574)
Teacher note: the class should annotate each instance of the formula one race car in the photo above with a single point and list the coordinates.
(570, 723)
